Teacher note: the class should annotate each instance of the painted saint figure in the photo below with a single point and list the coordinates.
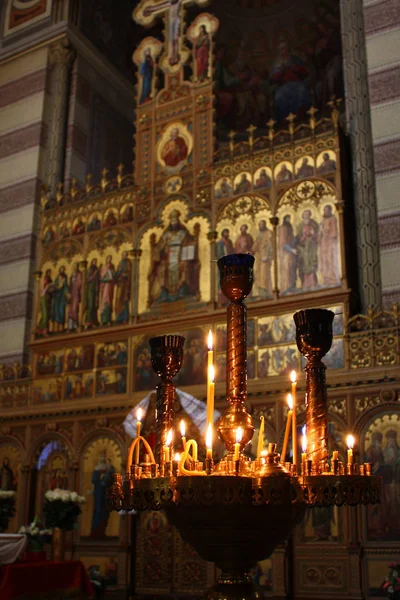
(60, 295)
(243, 186)
(107, 283)
(102, 479)
(305, 170)
(307, 248)
(92, 294)
(175, 151)
(263, 253)
(46, 294)
(263, 181)
(284, 175)
(146, 71)
(75, 287)
(287, 256)
(202, 53)
(245, 242)
(327, 165)
(175, 267)
(8, 480)
(123, 289)
(174, 25)
(329, 247)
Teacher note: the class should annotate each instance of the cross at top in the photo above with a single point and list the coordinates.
(147, 12)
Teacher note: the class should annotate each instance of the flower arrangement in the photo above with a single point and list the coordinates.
(392, 581)
(37, 535)
(7, 508)
(61, 508)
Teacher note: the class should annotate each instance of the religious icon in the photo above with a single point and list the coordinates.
(110, 218)
(262, 178)
(243, 183)
(8, 480)
(49, 235)
(47, 390)
(126, 213)
(146, 72)
(244, 242)
(287, 256)
(78, 226)
(283, 173)
(50, 363)
(80, 358)
(193, 369)
(111, 381)
(223, 188)
(112, 354)
(107, 284)
(326, 162)
(175, 267)
(102, 479)
(307, 250)
(79, 386)
(173, 184)
(94, 222)
(145, 378)
(64, 229)
(200, 34)
(383, 451)
(92, 294)
(123, 277)
(304, 168)
(45, 300)
(263, 251)
(145, 58)
(60, 298)
(75, 287)
(174, 147)
(329, 241)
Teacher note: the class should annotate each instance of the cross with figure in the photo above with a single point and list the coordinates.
(147, 12)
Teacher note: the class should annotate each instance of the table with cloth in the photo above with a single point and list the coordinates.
(45, 580)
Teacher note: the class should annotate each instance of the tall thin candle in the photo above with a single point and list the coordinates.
(287, 430)
(293, 378)
(138, 426)
(260, 437)
(210, 395)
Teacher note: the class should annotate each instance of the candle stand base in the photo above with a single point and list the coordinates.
(234, 586)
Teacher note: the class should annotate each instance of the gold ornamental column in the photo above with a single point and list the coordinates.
(136, 253)
(274, 222)
(82, 308)
(212, 238)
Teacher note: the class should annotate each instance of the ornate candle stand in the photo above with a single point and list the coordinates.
(237, 513)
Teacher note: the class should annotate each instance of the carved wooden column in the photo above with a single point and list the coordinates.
(61, 58)
(358, 119)
(212, 238)
(38, 276)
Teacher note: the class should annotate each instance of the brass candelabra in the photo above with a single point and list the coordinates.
(236, 512)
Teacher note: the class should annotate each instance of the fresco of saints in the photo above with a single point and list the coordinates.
(245, 242)
(75, 287)
(329, 247)
(102, 479)
(244, 185)
(263, 253)
(92, 294)
(305, 170)
(107, 283)
(60, 295)
(287, 256)
(146, 71)
(327, 165)
(8, 480)
(224, 246)
(123, 289)
(289, 75)
(46, 291)
(175, 267)
(284, 175)
(175, 151)
(263, 181)
(307, 249)
(202, 53)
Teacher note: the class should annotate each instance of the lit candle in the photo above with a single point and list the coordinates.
(167, 446)
(139, 415)
(293, 379)
(210, 395)
(287, 430)
(183, 434)
(209, 441)
(350, 444)
(260, 437)
(210, 355)
(304, 446)
(239, 435)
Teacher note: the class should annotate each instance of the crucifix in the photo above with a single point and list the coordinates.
(148, 10)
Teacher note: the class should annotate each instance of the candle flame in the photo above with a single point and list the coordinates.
(177, 457)
(183, 428)
(290, 401)
(239, 434)
(139, 414)
(169, 438)
(210, 340)
(350, 441)
(293, 376)
(264, 453)
(209, 436)
(211, 372)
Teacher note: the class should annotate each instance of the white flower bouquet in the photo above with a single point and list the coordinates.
(37, 534)
(61, 508)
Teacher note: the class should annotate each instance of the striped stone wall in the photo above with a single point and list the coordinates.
(382, 25)
(23, 133)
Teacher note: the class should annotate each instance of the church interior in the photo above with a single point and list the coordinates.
(148, 148)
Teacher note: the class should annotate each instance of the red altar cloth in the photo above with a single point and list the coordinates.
(45, 580)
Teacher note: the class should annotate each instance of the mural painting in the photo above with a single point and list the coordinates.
(262, 178)
(112, 354)
(382, 450)
(79, 358)
(223, 188)
(145, 57)
(50, 363)
(200, 34)
(176, 258)
(111, 381)
(79, 386)
(326, 162)
(174, 147)
(10, 466)
(101, 460)
(308, 245)
(265, 70)
(47, 390)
